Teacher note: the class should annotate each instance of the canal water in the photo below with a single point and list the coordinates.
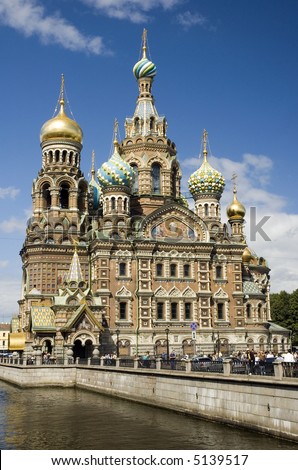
(72, 419)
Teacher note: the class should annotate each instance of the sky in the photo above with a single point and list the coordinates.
(227, 66)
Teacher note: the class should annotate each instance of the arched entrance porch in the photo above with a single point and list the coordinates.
(82, 349)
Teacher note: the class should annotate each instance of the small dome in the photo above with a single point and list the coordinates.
(144, 68)
(246, 255)
(206, 180)
(61, 127)
(236, 210)
(115, 172)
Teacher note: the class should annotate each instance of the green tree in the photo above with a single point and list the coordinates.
(284, 311)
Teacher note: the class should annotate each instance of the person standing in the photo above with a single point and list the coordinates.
(173, 360)
(251, 361)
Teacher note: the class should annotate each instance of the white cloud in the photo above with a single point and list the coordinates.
(189, 19)
(135, 11)
(29, 18)
(13, 225)
(10, 293)
(9, 192)
(253, 176)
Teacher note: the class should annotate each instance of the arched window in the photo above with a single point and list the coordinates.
(64, 196)
(46, 196)
(137, 125)
(135, 186)
(259, 311)
(206, 210)
(155, 173)
(113, 203)
(152, 123)
(248, 311)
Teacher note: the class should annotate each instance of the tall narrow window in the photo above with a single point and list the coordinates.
(46, 195)
(186, 270)
(173, 270)
(155, 172)
(113, 203)
(220, 311)
(159, 269)
(248, 311)
(174, 182)
(206, 210)
(122, 269)
(218, 270)
(135, 185)
(122, 310)
(160, 311)
(259, 311)
(64, 196)
(187, 311)
(174, 311)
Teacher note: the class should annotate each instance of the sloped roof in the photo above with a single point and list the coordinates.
(43, 319)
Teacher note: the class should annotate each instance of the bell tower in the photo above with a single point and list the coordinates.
(147, 148)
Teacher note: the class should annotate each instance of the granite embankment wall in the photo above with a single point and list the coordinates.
(263, 404)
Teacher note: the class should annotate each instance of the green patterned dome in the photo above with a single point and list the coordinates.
(115, 172)
(206, 180)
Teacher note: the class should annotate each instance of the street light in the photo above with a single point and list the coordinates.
(167, 330)
(117, 343)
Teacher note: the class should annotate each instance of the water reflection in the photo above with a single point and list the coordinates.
(58, 418)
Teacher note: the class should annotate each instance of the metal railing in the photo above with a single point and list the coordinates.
(279, 369)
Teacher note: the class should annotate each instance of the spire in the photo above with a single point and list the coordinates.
(93, 166)
(144, 39)
(116, 130)
(205, 151)
(75, 272)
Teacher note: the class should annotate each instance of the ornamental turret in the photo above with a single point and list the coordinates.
(236, 212)
(206, 186)
(116, 178)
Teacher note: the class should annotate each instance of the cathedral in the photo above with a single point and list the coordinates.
(121, 264)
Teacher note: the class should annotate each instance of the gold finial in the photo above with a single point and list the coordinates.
(93, 166)
(116, 126)
(234, 177)
(61, 97)
(205, 152)
(144, 39)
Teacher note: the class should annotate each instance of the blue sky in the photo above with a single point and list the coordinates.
(229, 66)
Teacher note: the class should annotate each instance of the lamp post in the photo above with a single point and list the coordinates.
(117, 342)
(167, 330)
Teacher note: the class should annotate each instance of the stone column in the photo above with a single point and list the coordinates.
(278, 370)
(227, 367)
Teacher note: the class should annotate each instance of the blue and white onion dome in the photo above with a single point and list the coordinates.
(144, 68)
(206, 180)
(115, 172)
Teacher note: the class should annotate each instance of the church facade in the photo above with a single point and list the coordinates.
(121, 263)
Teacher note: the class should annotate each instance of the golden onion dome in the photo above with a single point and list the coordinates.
(61, 127)
(236, 210)
(247, 255)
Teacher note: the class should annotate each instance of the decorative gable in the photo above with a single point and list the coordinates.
(123, 292)
(160, 292)
(188, 292)
(220, 294)
(174, 292)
